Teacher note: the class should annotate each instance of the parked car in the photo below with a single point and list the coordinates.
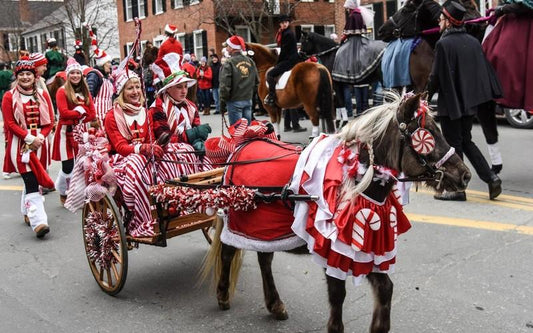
(518, 118)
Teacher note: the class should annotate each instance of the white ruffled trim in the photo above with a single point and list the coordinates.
(230, 238)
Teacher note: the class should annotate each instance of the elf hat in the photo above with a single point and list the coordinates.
(122, 77)
(236, 42)
(169, 72)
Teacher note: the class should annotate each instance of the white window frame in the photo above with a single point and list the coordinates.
(307, 0)
(139, 3)
(370, 27)
(160, 9)
(158, 40)
(181, 38)
(329, 29)
(14, 41)
(178, 3)
(194, 2)
(128, 48)
(129, 10)
(198, 49)
(247, 35)
(276, 6)
(307, 27)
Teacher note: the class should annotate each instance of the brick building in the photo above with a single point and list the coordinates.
(200, 27)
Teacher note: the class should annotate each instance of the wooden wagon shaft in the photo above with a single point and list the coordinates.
(216, 180)
(205, 174)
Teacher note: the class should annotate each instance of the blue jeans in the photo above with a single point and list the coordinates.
(216, 98)
(204, 99)
(347, 91)
(238, 110)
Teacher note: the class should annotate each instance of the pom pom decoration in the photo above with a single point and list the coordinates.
(100, 234)
(182, 199)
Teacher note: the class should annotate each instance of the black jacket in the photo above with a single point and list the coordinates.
(462, 75)
(215, 68)
(289, 49)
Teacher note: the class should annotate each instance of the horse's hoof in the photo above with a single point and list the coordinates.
(223, 306)
(279, 312)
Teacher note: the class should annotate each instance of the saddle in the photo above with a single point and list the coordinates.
(281, 81)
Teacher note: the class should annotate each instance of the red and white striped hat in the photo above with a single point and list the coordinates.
(38, 59)
(169, 71)
(171, 29)
(100, 55)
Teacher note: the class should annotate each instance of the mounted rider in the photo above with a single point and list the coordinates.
(287, 59)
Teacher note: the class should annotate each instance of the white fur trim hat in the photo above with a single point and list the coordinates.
(171, 29)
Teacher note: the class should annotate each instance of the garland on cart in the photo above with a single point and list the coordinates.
(100, 234)
(183, 199)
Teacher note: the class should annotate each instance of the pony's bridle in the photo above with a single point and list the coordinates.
(425, 144)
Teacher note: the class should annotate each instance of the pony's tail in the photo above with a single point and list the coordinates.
(324, 99)
(213, 261)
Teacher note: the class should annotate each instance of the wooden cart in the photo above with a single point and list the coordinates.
(107, 242)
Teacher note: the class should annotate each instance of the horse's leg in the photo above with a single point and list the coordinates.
(223, 296)
(382, 287)
(272, 300)
(336, 295)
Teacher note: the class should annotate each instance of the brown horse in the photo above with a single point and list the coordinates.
(384, 134)
(309, 85)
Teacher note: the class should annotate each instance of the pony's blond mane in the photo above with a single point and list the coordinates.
(367, 131)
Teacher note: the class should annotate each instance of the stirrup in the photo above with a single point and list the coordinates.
(269, 100)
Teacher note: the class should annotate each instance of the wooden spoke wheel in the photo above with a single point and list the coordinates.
(105, 244)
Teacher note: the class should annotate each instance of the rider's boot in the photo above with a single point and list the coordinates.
(270, 99)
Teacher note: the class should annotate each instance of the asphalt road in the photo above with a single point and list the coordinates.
(463, 267)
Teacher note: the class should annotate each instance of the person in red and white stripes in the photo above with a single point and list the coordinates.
(133, 132)
(75, 106)
(182, 114)
(29, 118)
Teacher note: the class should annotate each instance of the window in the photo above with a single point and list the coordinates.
(13, 42)
(158, 6)
(134, 8)
(43, 42)
(128, 48)
(308, 28)
(244, 32)
(181, 38)
(273, 6)
(199, 43)
(177, 3)
(195, 2)
(128, 10)
(158, 40)
(329, 29)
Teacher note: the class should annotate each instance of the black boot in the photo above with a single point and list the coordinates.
(270, 99)
(495, 186)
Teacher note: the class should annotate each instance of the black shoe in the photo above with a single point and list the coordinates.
(287, 129)
(450, 196)
(496, 168)
(217, 112)
(495, 186)
(269, 100)
(299, 129)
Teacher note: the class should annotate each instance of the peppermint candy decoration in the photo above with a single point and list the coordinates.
(423, 141)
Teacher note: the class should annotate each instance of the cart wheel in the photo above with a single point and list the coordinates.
(105, 244)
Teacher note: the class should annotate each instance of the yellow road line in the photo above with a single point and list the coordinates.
(466, 223)
(11, 187)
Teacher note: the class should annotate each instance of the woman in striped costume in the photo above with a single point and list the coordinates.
(75, 107)
(132, 132)
(29, 118)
